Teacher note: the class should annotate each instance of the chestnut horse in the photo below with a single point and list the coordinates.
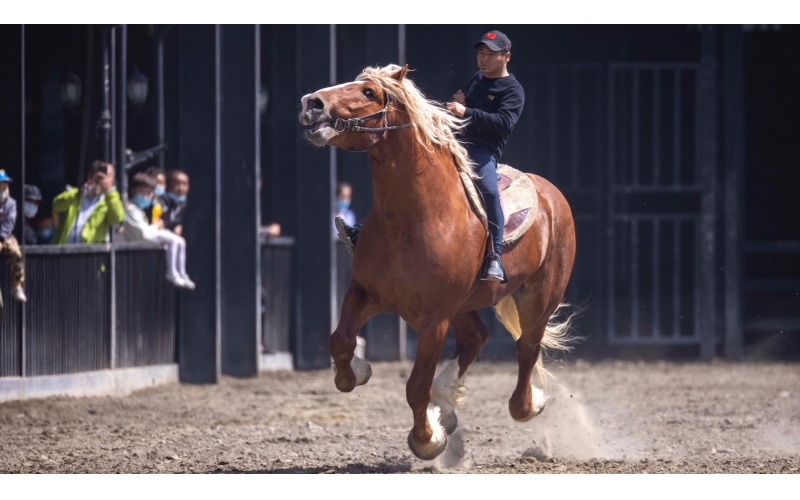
(421, 247)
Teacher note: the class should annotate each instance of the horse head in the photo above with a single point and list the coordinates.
(345, 115)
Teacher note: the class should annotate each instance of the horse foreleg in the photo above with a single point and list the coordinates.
(427, 438)
(350, 370)
(449, 389)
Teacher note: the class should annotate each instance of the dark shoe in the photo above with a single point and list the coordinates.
(493, 270)
(347, 234)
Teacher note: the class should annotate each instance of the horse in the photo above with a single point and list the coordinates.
(421, 247)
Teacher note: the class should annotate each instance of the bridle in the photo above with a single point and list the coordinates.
(355, 124)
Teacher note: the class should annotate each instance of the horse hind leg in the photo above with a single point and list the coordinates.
(528, 317)
(449, 388)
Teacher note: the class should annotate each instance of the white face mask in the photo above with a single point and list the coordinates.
(3, 196)
(29, 209)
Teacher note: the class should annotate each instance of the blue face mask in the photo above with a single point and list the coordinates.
(176, 199)
(159, 191)
(141, 201)
(45, 235)
(342, 205)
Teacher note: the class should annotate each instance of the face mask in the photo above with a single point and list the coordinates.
(45, 235)
(91, 191)
(3, 196)
(159, 191)
(177, 199)
(141, 202)
(29, 209)
(342, 205)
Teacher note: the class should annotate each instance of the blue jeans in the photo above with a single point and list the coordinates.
(486, 168)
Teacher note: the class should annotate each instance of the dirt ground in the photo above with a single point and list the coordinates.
(607, 417)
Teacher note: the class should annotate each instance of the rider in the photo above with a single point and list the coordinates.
(494, 101)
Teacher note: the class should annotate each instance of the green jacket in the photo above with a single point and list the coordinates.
(109, 211)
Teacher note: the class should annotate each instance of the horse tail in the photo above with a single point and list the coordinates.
(556, 333)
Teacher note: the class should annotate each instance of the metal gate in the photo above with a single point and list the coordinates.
(631, 146)
(660, 203)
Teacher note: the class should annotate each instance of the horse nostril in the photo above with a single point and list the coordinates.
(315, 103)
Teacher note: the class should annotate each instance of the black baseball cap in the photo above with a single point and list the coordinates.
(495, 40)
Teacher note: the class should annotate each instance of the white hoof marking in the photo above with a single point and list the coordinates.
(362, 370)
(438, 442)
(448, 392)
(539, 402)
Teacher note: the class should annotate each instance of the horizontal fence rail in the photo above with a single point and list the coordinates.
(67, 327)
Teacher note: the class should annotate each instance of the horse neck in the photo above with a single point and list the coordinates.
(410, 178)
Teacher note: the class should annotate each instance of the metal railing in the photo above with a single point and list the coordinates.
(80, 318)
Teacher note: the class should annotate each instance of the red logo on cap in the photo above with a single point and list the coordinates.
(490, 36)
(506, 47)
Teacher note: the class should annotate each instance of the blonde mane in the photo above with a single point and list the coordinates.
(433, 125)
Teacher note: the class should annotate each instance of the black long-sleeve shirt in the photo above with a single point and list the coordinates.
(494, 104)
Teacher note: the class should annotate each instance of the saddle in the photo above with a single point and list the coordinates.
(518, 197)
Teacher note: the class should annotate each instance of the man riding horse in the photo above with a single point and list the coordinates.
(493, 103)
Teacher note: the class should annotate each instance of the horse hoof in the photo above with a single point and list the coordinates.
(430, 450)
(362, 370)
(450, 422)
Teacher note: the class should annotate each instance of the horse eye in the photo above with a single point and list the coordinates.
(368, 93)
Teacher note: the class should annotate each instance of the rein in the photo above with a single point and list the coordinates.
(355, 124)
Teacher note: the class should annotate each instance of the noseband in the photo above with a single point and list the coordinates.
(355, 124)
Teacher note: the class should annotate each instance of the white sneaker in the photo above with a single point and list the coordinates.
(189, 283)
(19, 294)
(177, 281)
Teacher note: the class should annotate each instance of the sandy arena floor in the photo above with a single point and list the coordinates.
(602, 417)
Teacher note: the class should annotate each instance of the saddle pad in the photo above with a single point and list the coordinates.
(518, 198)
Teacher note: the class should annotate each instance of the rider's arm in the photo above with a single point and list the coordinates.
(501, 121)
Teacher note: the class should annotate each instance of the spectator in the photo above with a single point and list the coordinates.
(30, 206)
(137, 228)
(273, 229)
(90, 211)
(8, 243)
(156, 210)
(174, 202)
(45, 228)
(344, 195)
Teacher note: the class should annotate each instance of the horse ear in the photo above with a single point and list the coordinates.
(400, 73)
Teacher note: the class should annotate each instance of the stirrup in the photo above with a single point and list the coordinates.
(341, 230)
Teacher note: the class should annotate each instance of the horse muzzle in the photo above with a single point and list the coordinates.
(314, 114)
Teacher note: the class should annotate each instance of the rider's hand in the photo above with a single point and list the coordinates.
(459, 97)
(455, 109)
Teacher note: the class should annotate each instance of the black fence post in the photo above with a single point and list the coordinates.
(315, 192)
(240, 208)
(734, 196)
(707, 165)
(200, 100)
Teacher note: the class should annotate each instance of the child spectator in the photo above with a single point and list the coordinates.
(30, 206)
(136, 227)
(45, 228)
(155, 210)
(9, 247)
(174, 202)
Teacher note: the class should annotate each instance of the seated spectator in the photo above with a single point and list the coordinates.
(174, 202)
(30, 206)
(136, 227)
(9, 247)
(91, 210)
(344, 195)
(157, 208)
(45, 228)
